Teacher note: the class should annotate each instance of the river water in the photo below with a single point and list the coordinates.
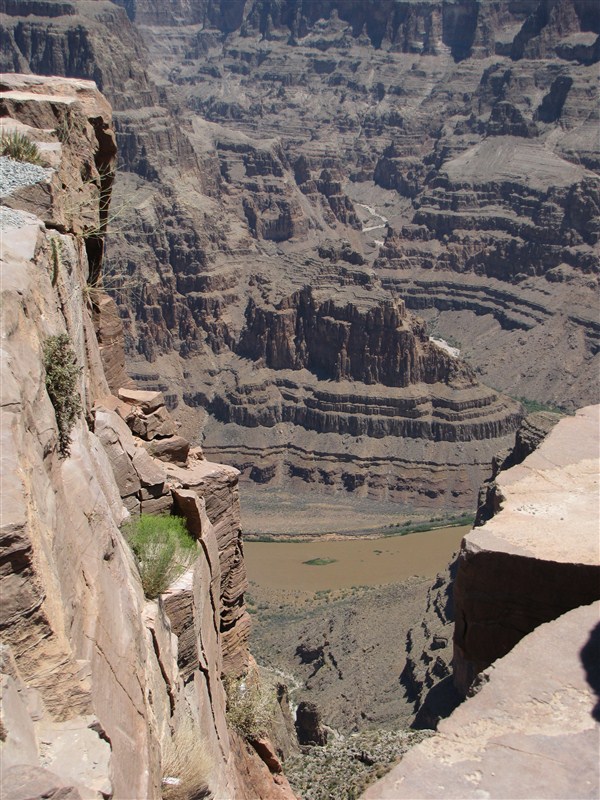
(352, 562)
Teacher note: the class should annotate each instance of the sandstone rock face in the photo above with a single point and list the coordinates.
(217, 487)
(530, 731)
(427, 676)
(538, 556)
(72, 609)
(97, 682)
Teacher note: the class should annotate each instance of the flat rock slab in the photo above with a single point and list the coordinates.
(550, 506)
(531, 731)
(147, 401)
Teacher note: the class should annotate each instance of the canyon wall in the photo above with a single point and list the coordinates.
(284, 165)
(524, 597)
(104, 693)
(427, 676)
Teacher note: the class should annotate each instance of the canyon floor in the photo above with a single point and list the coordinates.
(334, 647)
(333, 617)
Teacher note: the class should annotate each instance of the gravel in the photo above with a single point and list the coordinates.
(11, 219)
(16, 174)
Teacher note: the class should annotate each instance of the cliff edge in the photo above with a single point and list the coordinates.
(525, 637)
(104, 693)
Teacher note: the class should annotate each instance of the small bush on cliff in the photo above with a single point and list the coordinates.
(62, 373)
(18, 147)
(164, 550)
(186, 764)
(250, 707)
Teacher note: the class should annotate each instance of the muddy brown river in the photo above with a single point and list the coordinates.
(346, 563)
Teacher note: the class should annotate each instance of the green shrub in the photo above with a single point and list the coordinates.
(62, 373)
(164, 550)
(18, 147)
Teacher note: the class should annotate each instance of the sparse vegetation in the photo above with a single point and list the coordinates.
(186, 764)
(250, 706)
(403, 528)
(320, 562)
(62, 372)
(17, 146)
(56, 248)
(346, 765)
(164, 550)
(532, 406)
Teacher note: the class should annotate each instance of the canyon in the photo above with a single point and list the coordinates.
(104, 692)
(295, 184)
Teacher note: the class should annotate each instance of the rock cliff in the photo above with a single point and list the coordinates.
(525, 593)
(530, 731)
(452, 145)
(427, 676)
(104, 693)
(542, 547)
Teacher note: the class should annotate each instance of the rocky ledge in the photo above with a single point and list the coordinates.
(526, 639)
(538, 557)
(530, 731)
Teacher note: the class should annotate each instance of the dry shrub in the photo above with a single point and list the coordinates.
(250, 707)
(187, 761)
(164, 550)
(62, 375)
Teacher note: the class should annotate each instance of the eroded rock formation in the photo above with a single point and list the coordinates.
(525, 595)
(99, 685)
(531, 729)
(428, 675)
(451, 145)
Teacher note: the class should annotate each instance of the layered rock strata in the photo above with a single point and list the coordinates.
(353, 395)
(100, 685)
(530, 731)
(539, 556)
(402, 129)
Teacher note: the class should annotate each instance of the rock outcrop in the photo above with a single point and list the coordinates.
(428, 675)
(525, 595)
(530, 731)
(538, 557)
(100, 685)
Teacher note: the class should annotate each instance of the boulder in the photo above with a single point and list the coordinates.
(147, 401)
(264, 748)
(530, 731)
(309, 726)
(26, 782)
(173, 449)
(120, 448)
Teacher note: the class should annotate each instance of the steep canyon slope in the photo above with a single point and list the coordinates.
(297, 178)
(103, 692)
